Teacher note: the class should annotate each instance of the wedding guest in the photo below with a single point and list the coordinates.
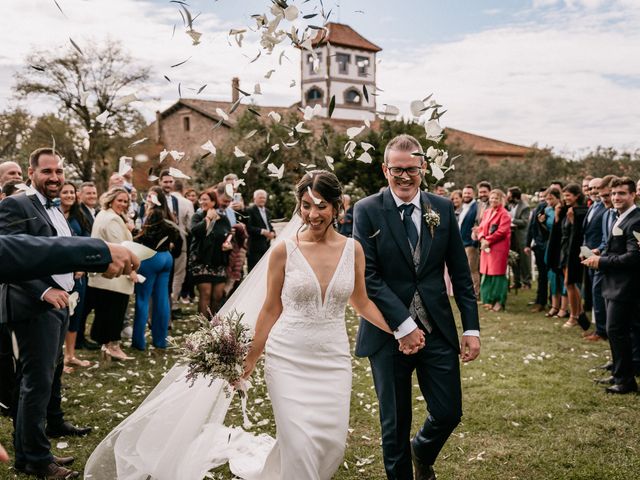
(585, 189)
(519, 211)
(569, 219)
(536, 242)
(10, 171)
(592, 237)
(187, 291)
(37, 316)
(440, 189)
(484, 189)
(10, 188)
(494, 234)
(183, 220)
(619, 265)
(456, 199)
(468, 220)
(210, 245)
(558, 291)
(80, 227)
(261, 232)
(164, 238)
(116, 180)
(235, 208)
(111, 295)
(345, 220)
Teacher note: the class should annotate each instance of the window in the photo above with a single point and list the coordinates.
(343, 62)
(314, 66)
(186, 123)
(363, 66)
(353, 97)
(314, 95)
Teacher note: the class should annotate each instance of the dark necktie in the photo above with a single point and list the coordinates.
(49, 204)
(412, 232)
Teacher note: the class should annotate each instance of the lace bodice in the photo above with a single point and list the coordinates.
(303, 307)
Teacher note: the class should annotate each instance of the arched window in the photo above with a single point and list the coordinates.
(353, 97)
(314, 95)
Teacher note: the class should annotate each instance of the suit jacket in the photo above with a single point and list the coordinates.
(520, 223)
(620, 262)
(467, 225)
(25, 214)
(392, 279)
(258, 243)
(24, 257)
(592, 229)
(537, 234)
(87, 213)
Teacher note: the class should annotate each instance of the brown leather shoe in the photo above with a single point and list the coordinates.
(63, 461)
(537, 308)
(53, 471)
(594, 337)
(422, 471)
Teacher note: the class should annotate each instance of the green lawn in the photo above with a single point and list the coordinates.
(531, 408)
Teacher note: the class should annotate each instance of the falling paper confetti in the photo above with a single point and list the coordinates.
(209, 147)
(175, 173)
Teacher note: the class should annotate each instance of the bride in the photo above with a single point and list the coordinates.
(311, 275)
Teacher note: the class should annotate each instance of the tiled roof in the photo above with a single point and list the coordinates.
(208, 109)
(344, 35)
(484, 145)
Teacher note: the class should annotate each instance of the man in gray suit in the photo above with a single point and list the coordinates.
(519, 211)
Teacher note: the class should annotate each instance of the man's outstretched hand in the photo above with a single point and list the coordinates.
(469, 348)
(123, 261)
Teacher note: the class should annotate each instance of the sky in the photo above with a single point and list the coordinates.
(558, 73)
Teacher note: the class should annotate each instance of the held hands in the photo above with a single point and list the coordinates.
(412, 343)
(57, 298)
(469, 348)
(570, 215)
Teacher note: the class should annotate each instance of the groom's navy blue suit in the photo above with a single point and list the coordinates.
(392, 280)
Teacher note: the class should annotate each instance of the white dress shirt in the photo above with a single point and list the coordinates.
(465, 209)
(64, 280)
(409, 325)
(622, 216)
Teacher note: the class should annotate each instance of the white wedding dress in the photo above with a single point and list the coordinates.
(178, 433)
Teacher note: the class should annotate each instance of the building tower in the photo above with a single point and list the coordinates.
(345, 63)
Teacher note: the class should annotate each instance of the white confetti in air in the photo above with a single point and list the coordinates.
(102, 118)
(125, 100)
(417, 107)
(222, 114)
(246, 166)
(175, 173)
(163, 155)
(275, 116)
(257, 89)
(375, 234)
(329, 161)
(353, 132)
(275, 147)
(209, 147)
(366, 146)
(154, 199)
(277, 172)
(177, 156)
(238, 153)
(268, 74)
(365, 158)
(433, 130)
(228, 189)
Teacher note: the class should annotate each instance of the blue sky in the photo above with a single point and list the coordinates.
(560, 73)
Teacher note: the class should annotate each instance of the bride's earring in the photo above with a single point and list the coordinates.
(335, 222)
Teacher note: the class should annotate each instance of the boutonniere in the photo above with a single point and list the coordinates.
(432, 218)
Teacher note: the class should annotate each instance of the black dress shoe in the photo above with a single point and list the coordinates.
(422, 471)
(584, 321)
(53, 471)
(67, 429)
(606, 381)
(63, 461)
(622, 388)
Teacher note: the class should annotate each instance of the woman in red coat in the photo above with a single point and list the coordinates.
(494, 234)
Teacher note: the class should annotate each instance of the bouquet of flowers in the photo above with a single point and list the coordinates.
(217, 349)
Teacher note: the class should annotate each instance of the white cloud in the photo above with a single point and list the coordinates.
(565, 76)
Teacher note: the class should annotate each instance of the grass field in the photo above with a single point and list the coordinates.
(531, 408)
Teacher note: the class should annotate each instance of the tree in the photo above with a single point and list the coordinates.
(84, 85)
(14, 126)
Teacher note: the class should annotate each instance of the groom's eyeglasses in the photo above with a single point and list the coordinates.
(398, 171)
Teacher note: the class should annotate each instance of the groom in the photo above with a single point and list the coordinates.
(408, 236)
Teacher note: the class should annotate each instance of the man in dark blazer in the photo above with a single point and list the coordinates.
(620, 264)
(259, 227)
(38, 317)
(536, 242)
(408, 236)
(88, 197)
(592, 233)
(519, 211)
(467, 220)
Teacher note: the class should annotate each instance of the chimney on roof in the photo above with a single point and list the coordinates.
(158, 125)
(235, 85)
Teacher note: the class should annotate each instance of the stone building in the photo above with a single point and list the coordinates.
(344, 66)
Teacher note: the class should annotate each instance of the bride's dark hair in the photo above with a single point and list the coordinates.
(323, 182)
